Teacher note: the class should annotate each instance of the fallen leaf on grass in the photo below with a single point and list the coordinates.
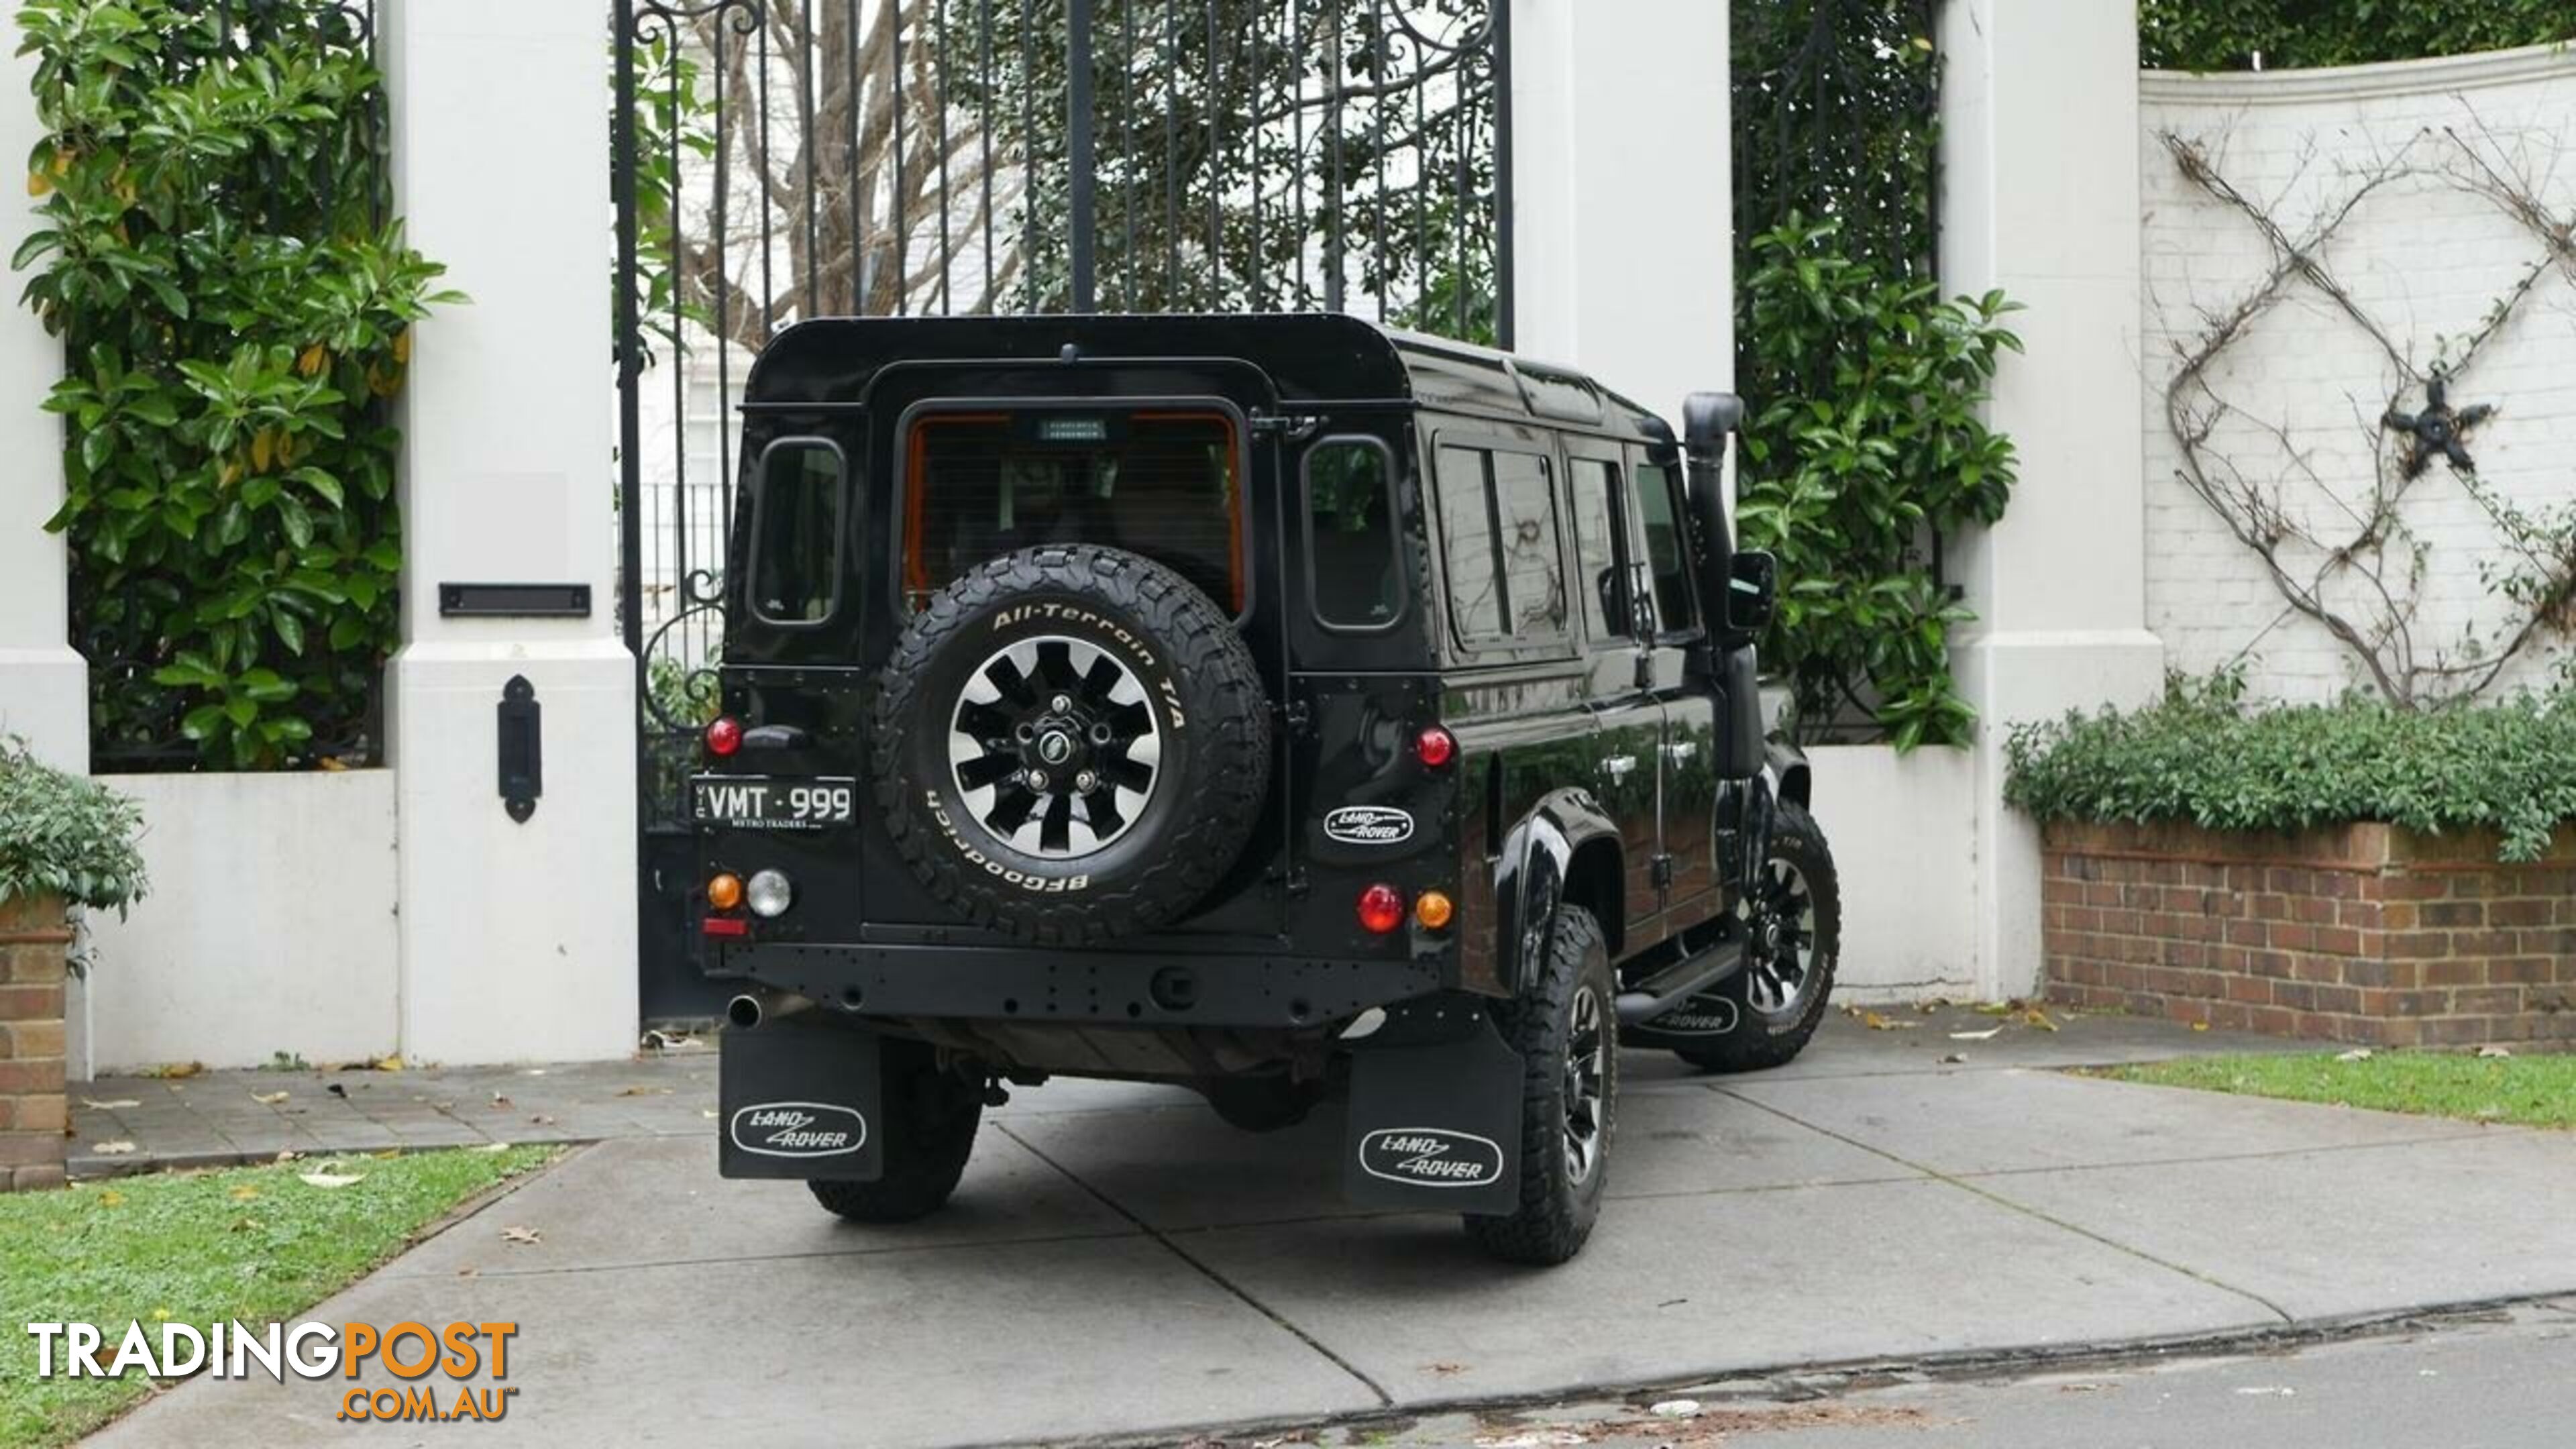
(521, 1235)
(95, 1105)
(2495, 1051)
(244, 1193)
(332, 1179)
(268, 1099)
(2357, 1054)
(113, 1149)
(110, 1197)
(494, 1147)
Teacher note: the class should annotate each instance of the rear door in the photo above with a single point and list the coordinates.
(1631, 718)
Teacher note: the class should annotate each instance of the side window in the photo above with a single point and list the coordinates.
(1467, 551)
(1533, 561)
(1590, 483)
(796, 532)
(1355, 570)
(1667, 556)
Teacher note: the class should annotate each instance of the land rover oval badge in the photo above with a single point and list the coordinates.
(1431, 1157)
(798, 1129)
(1369, 825)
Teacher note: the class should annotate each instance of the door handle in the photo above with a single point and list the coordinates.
(1618, 766)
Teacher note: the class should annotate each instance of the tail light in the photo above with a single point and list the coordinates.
(1381, 909)
(724, 736)
(1435, 746)
(724, 890)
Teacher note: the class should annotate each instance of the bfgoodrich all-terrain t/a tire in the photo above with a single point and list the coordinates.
(929, 1119)
(1072, 745)
(1566, 1031)
(1775, 1003)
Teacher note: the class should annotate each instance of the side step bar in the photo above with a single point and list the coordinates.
(1679, 982)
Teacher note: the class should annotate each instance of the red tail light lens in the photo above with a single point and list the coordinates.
(1381, 909)
(1435, 746)
(724, 736)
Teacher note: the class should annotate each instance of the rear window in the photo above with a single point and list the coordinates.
(1159, 484)
(1351, 541)
(796, 547)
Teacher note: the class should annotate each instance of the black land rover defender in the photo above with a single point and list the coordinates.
(1274, 705)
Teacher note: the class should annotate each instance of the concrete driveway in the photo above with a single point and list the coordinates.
(1118, 1263)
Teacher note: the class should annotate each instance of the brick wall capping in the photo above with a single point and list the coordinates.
(2363, 845)
(34, 921)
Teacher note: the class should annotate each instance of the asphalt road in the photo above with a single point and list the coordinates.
(2502, 1380)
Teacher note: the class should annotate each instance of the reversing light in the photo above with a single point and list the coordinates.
(724, 890)
(724, 736)
(1381, 908)
(769, 893)
(1435, 746)
(1433, 910)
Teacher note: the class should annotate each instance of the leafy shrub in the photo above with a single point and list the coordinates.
(1870, 449)
(235, 312)
(65, 835)
(2201, 755)
(2208, 35)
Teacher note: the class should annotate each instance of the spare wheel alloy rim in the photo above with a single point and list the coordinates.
(1054, 747)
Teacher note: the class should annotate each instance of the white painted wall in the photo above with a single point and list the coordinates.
(2426, 259)
(270, 926)
(517, 941)
(44, 685)
(1902, 831)
(1621, 212)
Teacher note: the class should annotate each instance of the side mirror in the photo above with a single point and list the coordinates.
(1752, 592)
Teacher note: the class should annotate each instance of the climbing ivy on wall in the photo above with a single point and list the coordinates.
(2206, 35)
(235, 308)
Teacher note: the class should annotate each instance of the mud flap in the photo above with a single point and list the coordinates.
(1435, 1125)
(802, 1100)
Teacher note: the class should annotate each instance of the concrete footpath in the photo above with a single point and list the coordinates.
(1121, 1265)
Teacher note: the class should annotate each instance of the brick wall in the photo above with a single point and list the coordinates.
(33, 939)
(2368, 933)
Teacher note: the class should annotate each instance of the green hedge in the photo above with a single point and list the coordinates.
(64, 835)
(2208, 35)
(2201, 755)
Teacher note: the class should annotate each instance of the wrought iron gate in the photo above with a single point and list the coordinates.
(782, 159)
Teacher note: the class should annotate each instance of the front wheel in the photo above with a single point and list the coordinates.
(1766, 1012)
(1566, 1031)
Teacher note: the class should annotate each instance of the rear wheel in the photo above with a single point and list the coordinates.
(1566, 1033)
(930, 1118)
(1766, 1012)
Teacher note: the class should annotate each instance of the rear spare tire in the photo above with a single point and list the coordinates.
(1072, 744)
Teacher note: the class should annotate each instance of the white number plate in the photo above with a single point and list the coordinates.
(765, 802)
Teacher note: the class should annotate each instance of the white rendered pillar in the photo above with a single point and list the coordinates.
(44, 685)
(2039, 164)
(518, 940)
(1622, 214)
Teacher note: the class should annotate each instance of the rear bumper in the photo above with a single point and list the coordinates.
(1102, 986)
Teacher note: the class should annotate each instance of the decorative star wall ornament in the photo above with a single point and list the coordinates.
(2437, 431)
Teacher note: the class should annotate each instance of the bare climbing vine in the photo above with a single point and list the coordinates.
(2360, 572)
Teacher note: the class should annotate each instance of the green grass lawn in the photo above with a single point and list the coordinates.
(2536, 1091)
(253, 1243)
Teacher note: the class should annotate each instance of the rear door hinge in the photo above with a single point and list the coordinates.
(1272, 425)
(1296, 715)
(1662, 868)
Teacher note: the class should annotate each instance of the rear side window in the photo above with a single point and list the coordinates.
(1499, 546)
(1160, 484)
(1589, 483)
(1354, 567)
(1659, 508)
(796, 532)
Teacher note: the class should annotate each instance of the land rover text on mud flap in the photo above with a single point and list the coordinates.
(1275, 706)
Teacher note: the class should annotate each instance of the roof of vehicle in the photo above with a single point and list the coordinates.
(1308, 357)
